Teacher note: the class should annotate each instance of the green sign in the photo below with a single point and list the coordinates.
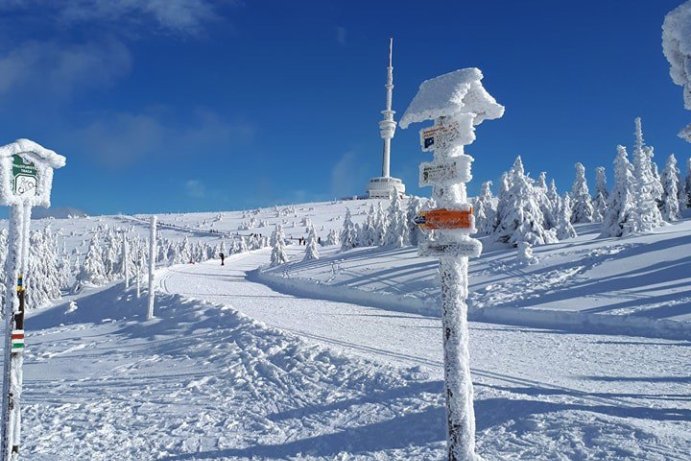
(24, 176)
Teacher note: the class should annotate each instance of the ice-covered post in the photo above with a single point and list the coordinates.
(125, 260)
(152, 267)
(457, 102)
(26, 178)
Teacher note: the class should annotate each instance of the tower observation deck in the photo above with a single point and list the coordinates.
(385, 186)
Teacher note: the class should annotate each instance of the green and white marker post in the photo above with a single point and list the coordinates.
(26, 178)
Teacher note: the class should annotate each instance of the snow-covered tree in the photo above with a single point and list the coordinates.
(564, 227)
(687, 186)
(332, 238)
(670, 185)
(349, 236)
(381, 224)
(278, 252)
(485, 210)
(519, 216)
(601, 195)
(620, 202)
(367, 230)
(645, 215)
(397, 230)
(582, 209)
(415, 235)
(43, 279)
(553, 195)
(311, 250)
(92, 271)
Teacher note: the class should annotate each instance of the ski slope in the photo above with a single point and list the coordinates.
(531, 384)
(342, 358)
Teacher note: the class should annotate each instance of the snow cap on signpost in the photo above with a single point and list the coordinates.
(458, 94)
(26, 173)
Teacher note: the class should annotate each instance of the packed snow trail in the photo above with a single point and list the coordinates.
(583, 396)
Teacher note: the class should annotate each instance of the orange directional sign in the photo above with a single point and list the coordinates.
(445, 219)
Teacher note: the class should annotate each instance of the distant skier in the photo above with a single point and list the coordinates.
(223, 257)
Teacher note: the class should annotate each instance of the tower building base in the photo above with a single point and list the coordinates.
(385, 187)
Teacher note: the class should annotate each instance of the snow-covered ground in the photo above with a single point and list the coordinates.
(639, 285)
(234, 368)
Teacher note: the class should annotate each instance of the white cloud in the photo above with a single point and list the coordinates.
(177, 16)
(195, 188)
(118, 140)
(348, 176)
(60, 70)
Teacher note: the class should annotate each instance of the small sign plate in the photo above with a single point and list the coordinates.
(440, 173)
(445, 219)
(24, 177)
(470, 248)
(439, 136)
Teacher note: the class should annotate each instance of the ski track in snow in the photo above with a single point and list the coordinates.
(540, 394)
(337, 380)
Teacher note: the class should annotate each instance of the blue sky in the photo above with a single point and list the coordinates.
(185, 105)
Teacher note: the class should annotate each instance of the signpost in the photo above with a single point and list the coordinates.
(26, 178)
(457, 102)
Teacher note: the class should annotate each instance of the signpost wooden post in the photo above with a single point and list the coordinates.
(26, 178)
(456, 102)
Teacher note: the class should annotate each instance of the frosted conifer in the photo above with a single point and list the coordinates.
(348, 233)
(670, 185)
(564, 227)
(278, 252)
(92, 271)
(397, 229)
(332, 238)
(620, 201)
(645, 215)
(485, 212)
(520, 218)
(687, 185)
(414, 233)
(601, 195)
(582, 209)
(311, 250)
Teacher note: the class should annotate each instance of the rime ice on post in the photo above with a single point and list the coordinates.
(152, 267)
(457, 102)
(26, 178)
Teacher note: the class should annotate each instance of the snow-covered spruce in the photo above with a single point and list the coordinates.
(520, 218)
(582, 209)
(311, 250)
(601, 195)
(564, 227)
(620, 202)
(645, 215)
(686, 198)
(278, 252)
(485, 210)
(349, 237)
(670, 185)
(92, 271)
(415, 235)
(397, 231)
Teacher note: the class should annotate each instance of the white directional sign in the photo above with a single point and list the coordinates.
(432, 173)
(439, 136)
